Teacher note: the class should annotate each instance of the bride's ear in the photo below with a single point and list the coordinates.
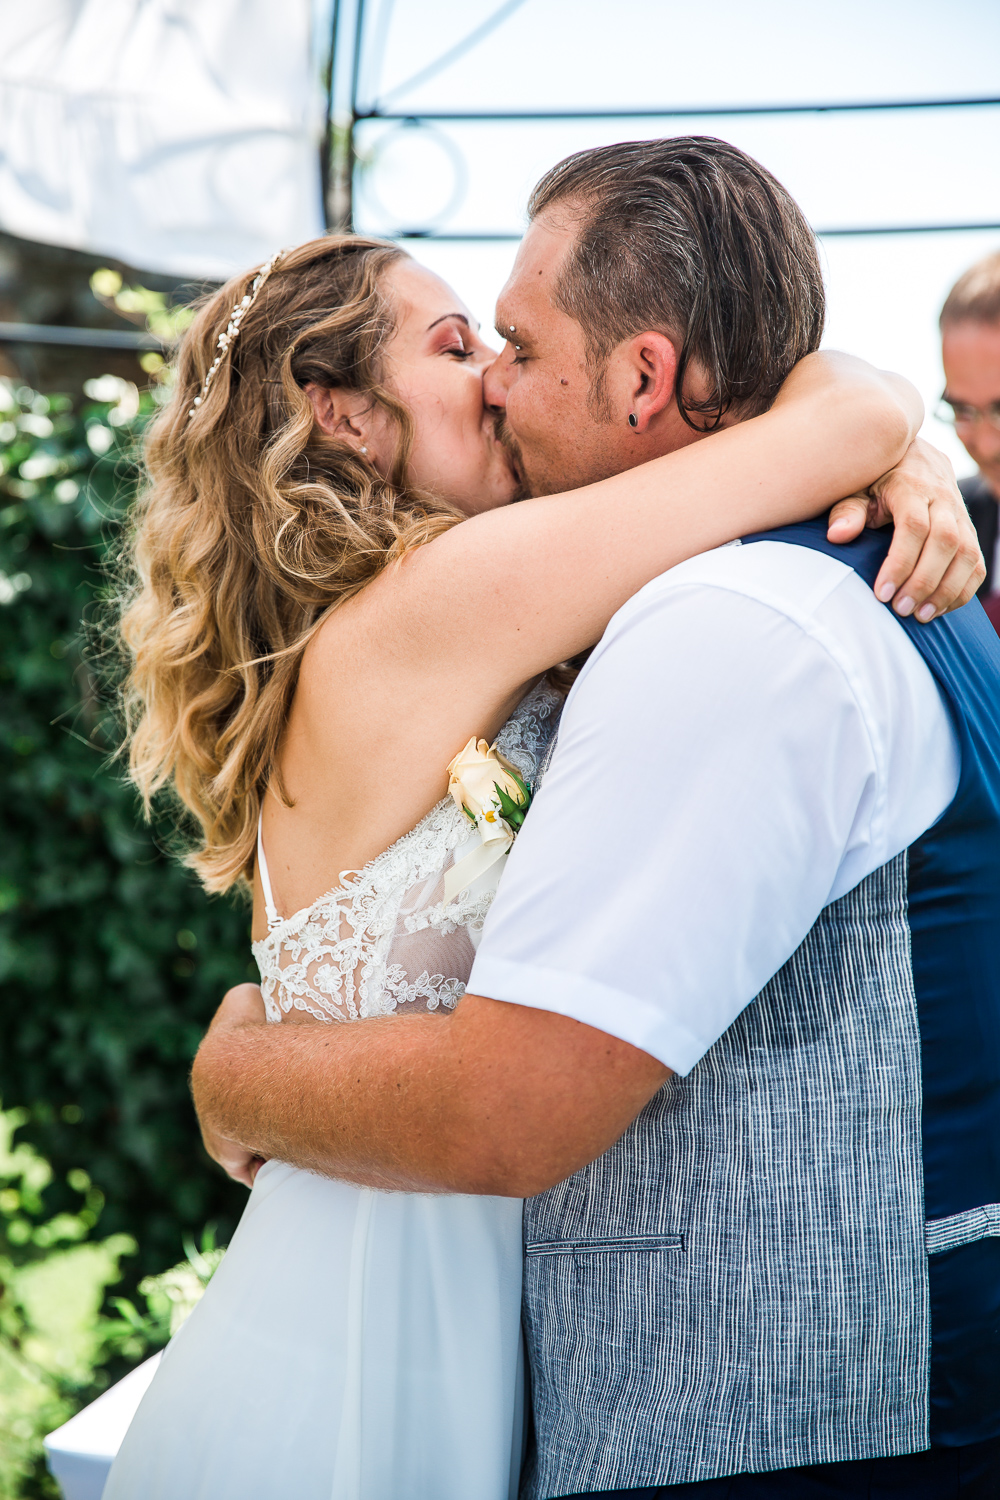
(341, 413)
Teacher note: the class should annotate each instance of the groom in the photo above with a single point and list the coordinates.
(734, 1025)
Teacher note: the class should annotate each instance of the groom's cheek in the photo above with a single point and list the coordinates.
(545, 420)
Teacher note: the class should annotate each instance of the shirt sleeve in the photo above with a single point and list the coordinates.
(714, 770)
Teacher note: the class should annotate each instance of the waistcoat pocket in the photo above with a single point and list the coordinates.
(606, 1245)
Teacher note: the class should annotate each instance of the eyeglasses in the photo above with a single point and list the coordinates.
(964, 414)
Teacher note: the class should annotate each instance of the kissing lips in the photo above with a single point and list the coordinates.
(505, 438)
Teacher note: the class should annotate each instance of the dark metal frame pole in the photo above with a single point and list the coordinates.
(83, 338)
(701, 111)
(500, 236)
(327, 146)
(342, 115)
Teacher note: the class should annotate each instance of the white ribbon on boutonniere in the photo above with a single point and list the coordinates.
(494, 797)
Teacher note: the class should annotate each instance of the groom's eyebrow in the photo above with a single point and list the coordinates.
(508, 333)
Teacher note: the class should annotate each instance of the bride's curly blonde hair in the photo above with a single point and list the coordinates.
(253, 526)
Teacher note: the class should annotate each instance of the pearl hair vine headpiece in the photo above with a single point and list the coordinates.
(228, 338)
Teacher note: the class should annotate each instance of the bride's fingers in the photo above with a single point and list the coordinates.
(945, 573)
(969, 566)
(915, 545)
(242, 1005)
(240, 1165)
(848, 518)
(961, 580)
(933, 564)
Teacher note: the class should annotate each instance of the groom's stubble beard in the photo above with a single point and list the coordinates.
(595, 457)
(590, 457)
(512, 448)
(556, 478)
(532, 485)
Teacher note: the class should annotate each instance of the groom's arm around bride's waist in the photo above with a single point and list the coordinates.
(495, 1098)
(751, 738)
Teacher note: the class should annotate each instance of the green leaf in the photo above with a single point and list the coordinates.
(513, 811)
(525, 789)
(507, 804)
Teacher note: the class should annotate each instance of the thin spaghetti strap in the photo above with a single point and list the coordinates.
(265, 879)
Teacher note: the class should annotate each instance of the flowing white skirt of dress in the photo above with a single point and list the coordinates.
(353, 1345)
(356, 1345)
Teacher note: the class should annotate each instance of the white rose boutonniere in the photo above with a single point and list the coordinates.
(494, 797)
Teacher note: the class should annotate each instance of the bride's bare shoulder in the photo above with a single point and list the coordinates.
(362, 633)
(395, 629)
(383, 671)
(367, 686)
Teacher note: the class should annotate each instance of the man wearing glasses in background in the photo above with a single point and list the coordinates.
(970, 351)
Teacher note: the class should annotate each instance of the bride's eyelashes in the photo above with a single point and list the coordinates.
(449, 337)
(451, 342)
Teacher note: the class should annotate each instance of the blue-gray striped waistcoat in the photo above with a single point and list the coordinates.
(742, 1282)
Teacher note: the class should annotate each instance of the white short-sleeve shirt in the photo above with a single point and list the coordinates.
(753, 735)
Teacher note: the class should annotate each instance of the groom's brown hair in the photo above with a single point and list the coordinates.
(691, 237)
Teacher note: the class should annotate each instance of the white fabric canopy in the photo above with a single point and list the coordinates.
(180, 135)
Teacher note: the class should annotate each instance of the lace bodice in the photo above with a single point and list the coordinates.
(383, 938)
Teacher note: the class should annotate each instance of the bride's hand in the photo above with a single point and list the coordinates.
(934, 563)
(235, 1160)
(241, 1006)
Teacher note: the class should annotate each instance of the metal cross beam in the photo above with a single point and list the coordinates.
(499, 236)
(454, 116)
(84, 338)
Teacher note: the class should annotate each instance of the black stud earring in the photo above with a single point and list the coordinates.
(633, 420)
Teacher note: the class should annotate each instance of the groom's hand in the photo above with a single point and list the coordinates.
(934, 563)
(242, 1006)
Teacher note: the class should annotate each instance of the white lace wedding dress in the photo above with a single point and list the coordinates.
(354, 1344)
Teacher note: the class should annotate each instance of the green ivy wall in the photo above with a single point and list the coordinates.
(111, 957)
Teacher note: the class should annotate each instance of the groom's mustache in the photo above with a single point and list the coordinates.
(512, 448)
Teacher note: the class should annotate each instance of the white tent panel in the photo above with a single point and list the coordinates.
(177, 135)
(572, 54)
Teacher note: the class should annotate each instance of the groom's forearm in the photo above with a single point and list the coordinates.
(495, 1098)
(348, 1101)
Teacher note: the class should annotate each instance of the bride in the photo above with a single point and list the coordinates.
(313, 637)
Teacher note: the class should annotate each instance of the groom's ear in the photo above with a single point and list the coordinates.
(652, 365)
